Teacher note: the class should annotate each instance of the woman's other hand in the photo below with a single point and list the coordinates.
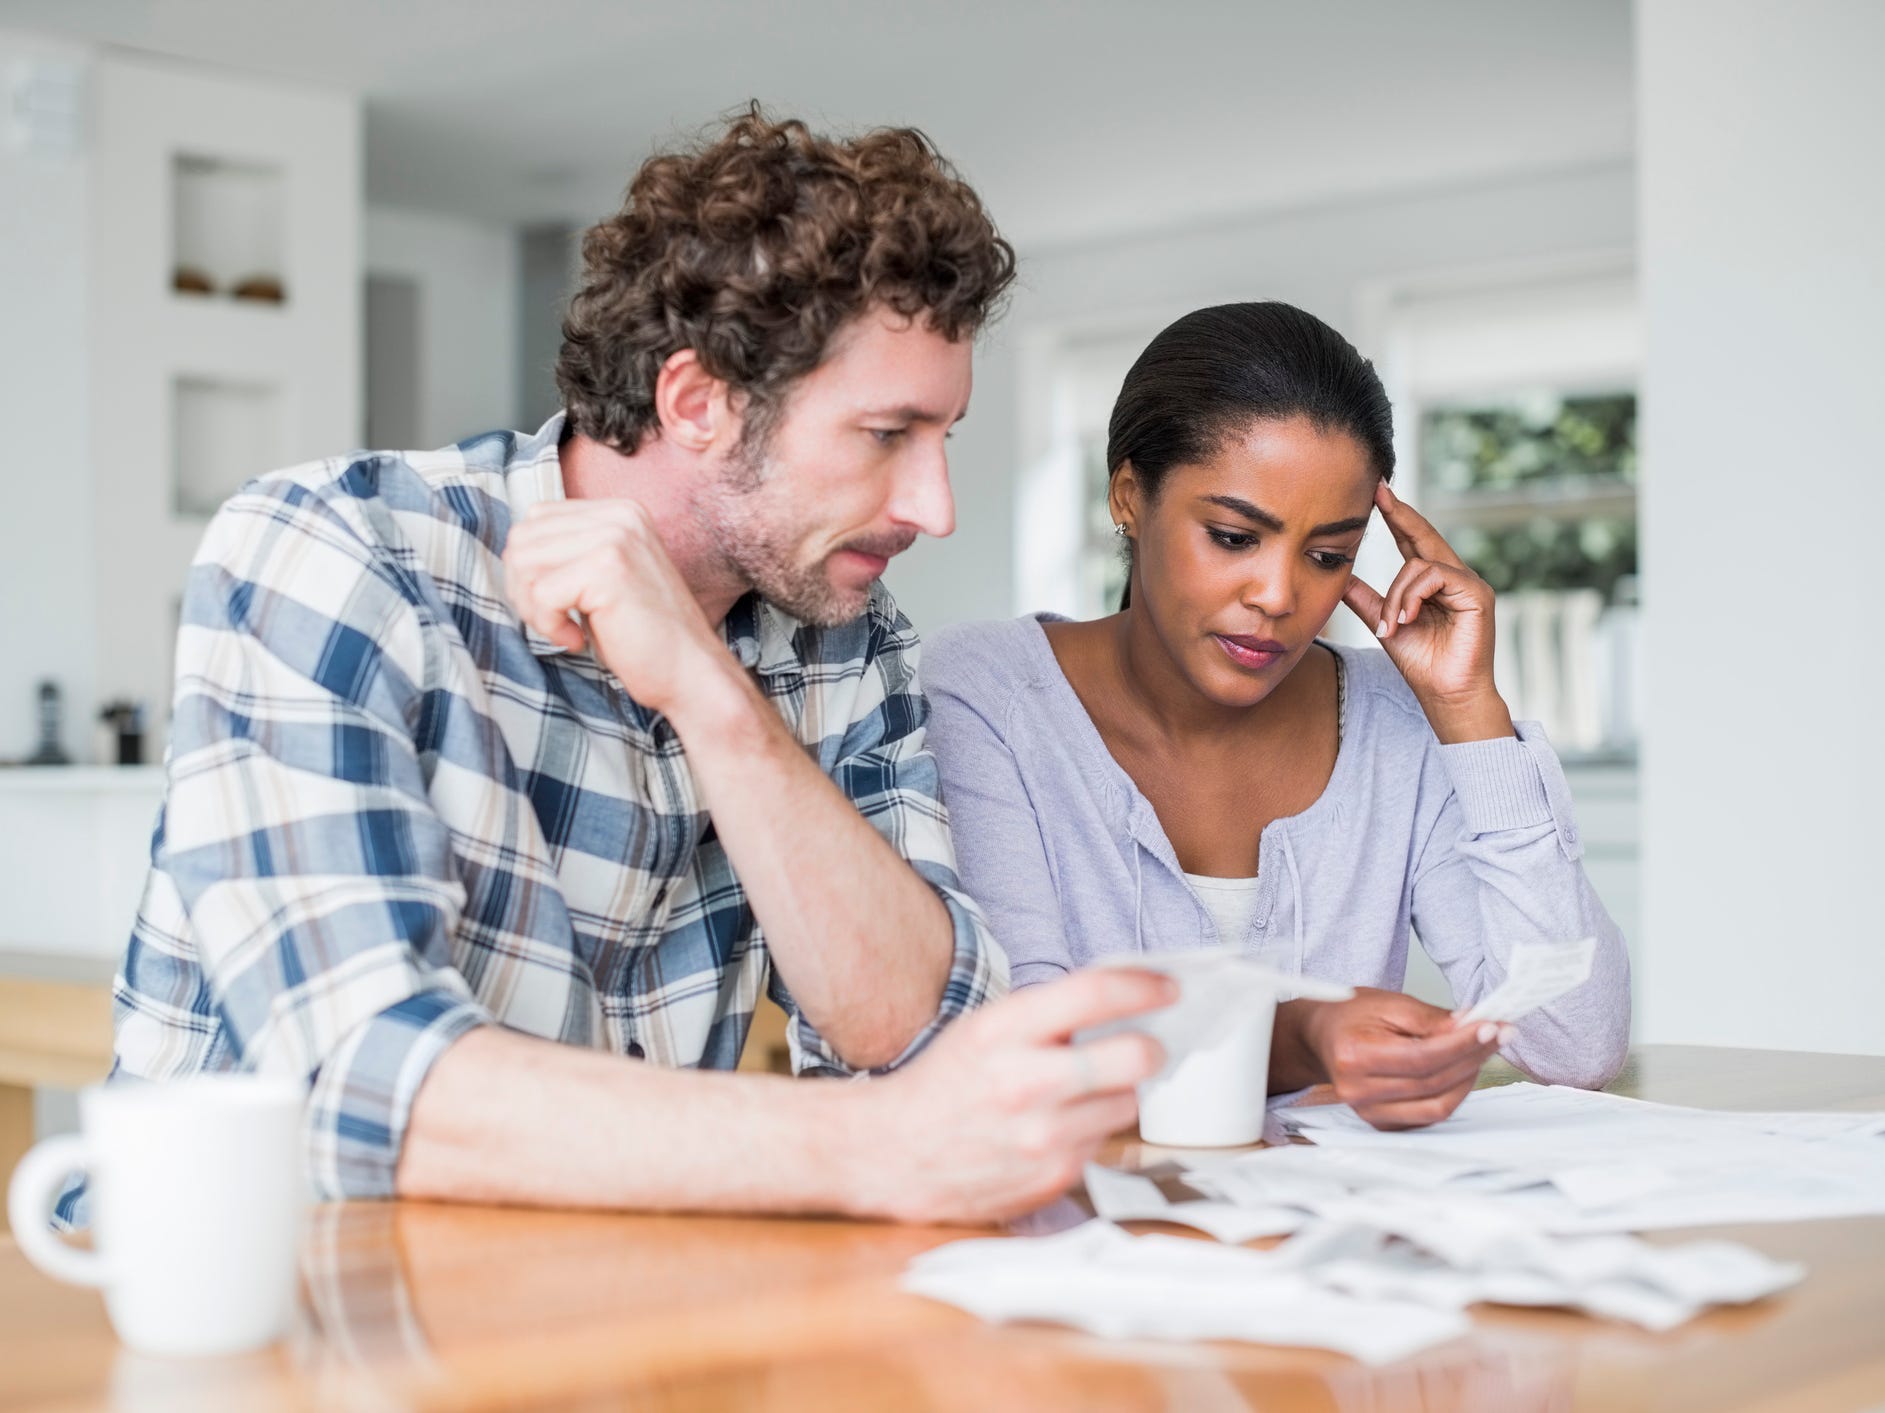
(1436, 623)
(1398, 1062)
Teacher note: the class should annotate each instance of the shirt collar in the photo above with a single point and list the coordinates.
(533, 475)
(761, 636)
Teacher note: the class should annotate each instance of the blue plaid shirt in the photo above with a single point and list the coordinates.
(394, 813)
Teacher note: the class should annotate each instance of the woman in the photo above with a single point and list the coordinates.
(1200, 767)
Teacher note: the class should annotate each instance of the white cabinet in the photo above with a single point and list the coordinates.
(251, 188)
(136, 407)
(76, 845)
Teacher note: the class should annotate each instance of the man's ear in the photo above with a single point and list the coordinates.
(693, 407)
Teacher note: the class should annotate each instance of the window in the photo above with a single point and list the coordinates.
(1515, 408)
(1067, 558)
(1538, 494)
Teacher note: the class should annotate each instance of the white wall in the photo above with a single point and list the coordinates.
(1328, 259)
(548, 267)
(1763, 278)
(145, 339)
(46, 553)
(467, 273)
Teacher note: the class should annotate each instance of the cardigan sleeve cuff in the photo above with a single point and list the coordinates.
(1514, 782)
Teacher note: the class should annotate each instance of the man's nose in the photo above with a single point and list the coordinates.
(924, 500)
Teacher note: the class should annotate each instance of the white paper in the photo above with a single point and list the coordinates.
(1100, 1279)
(1535, 976)
(1568, 1161)
(1129, 1197)
(1454, 1249)
(1215, 985)
(1615, 1277)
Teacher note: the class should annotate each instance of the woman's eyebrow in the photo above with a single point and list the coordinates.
(1340, 527)
(1264, 518)
(1239, 506)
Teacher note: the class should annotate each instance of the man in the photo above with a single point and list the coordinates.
(504, 778)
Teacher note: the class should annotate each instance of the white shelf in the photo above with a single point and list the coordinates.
(234, 177)
(225, 433)
(1583, 498)
(82, 780)
(72, 968)
(227, 220)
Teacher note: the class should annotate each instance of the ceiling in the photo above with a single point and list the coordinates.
(1076, 120)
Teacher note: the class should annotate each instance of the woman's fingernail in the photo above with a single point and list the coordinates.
(1381, 629)
(1387, 491)
(1403, 617)
(1507, 1034)
(1487, 1031)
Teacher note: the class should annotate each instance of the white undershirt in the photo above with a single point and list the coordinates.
(1231, 902)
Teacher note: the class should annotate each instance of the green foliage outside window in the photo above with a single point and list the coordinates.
(1543, 446)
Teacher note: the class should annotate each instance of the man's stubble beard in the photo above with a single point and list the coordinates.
(749, 522)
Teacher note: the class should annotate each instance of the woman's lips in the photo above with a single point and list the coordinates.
(1252, 653)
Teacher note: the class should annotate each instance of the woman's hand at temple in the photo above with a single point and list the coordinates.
(1436, 623)
(1398, 1062)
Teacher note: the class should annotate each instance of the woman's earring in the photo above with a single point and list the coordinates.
(1120, 529)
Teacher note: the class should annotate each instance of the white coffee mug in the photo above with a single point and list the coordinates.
(1213, 1096)
(197, 1190)
(1213, 1090)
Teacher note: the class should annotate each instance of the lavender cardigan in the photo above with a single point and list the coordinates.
(1471, 846)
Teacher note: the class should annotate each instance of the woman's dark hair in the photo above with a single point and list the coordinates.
(1211, 374)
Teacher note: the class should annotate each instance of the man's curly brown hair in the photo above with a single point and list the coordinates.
(754, 249)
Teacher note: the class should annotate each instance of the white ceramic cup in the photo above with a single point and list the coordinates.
(197, 1191)
(1213, 1089)
(1214, 1095)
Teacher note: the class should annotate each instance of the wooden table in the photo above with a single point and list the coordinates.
(423, 1305)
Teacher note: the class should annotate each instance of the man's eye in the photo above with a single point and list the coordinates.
(1231, 539)
(886, 436)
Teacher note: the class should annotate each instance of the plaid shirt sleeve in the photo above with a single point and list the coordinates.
(889, 774)
(315, 874)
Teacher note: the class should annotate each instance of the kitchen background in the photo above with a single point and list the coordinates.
(1619, 264)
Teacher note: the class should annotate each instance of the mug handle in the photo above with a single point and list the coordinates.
(30, 1199)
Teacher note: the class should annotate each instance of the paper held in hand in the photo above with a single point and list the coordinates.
(1536, 976)
(1215, 988)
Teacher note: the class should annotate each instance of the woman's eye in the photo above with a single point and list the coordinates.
(1231, 539)
(1331, 561)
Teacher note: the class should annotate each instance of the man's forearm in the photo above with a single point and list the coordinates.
(862, 941)
(504, 1117)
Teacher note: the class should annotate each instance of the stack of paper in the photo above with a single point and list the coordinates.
(1421, 1241)
(1374, 1289)
(1097, 1278)
(1569, 1161)
(1518, 1199)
